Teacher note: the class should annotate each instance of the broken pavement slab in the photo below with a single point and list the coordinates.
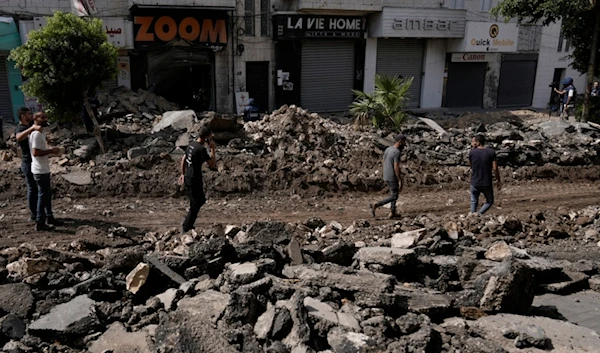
(565, 337)
(118, 339)
(178, 120)
(581, 308)
(16, 298)
(79, 178)
(432, 124)
(76, 317)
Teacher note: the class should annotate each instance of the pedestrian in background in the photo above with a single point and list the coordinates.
(483, 162)
(22, 132)
(392, 175)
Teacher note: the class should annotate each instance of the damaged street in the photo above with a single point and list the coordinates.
(286, 257)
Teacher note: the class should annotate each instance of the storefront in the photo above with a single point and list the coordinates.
(485, 71)
(11, 97)
(411, 43)
(175, 50)
(319, 60)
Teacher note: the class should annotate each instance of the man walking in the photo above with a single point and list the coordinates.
(482, 161)
(22, 132)
(392, 175)
(40, 168)
(191, 173)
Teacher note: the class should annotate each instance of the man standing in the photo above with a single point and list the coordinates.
(392, 175)
(568, 94)
(482, 161)
(191, 173)
(22, 132)
(40, 167)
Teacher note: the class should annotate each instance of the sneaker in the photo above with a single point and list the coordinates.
(395, 216)
(43, 227)
(373, 207)
(55, 222)
(32, 218)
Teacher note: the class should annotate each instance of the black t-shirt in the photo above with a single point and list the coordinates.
(195, 155)
(481, 165)
(24, 144)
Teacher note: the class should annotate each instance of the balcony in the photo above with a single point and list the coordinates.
(340, 5)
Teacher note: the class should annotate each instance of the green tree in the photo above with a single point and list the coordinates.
(385, 104)
(580, 24)
(65, 60)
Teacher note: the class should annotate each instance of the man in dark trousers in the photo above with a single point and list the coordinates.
(191, 173)
(483, 162)
(40, 167)
(22, 132)
(392, 175)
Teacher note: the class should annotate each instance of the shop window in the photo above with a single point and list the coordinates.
(486, 5)
(249, 17)
(567, 45)
(264, 17)
(560, 41)
(457, 4)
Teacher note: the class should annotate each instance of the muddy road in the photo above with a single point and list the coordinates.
(141, 215)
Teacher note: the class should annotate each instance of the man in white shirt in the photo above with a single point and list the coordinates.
(40, 167)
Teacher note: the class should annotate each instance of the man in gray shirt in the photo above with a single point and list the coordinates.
(391, 174)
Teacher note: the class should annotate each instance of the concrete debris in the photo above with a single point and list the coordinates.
(79, 178)
(76, 317)
(137, 277)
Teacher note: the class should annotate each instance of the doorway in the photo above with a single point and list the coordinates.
(257, 83)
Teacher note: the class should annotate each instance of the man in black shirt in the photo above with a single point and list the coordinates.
(191, 173)
(22, 132)
(482, 161)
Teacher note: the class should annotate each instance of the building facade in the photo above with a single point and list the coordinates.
(215, 54)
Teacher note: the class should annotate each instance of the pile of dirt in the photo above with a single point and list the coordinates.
(423, 284)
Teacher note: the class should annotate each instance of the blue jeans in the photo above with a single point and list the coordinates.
(393, 186)
(32, 189)
(488, 192)
(44, 201)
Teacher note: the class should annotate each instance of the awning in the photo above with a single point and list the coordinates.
(9, 35)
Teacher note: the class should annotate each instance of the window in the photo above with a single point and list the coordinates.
(457, 4)
(567, 45)
(486, 5)
(249, 17)
(560, 41)
(264, 17)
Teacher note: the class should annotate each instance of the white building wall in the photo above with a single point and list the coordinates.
(434, 66)
(549, 59)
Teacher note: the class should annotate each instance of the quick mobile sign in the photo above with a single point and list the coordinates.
(308, 26)
(155, 28)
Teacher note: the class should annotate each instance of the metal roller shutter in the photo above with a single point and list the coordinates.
(5, 101)
(517, 80)
(465, 84)
(327, 75)
(402, 57)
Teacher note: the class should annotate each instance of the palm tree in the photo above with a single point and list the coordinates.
(385, 104)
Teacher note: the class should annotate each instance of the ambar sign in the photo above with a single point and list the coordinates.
(151, 29)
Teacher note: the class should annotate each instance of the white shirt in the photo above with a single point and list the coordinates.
(39, 165)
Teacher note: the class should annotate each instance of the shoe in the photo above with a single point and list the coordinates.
(395, 216)
(43, 227)
(33, 219)
(373, 207)
(55, 222)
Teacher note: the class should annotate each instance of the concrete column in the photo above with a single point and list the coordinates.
(492, 82)
(433, 66)
(370, 65)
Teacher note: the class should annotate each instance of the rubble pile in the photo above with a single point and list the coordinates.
(293, 150)
(427, 284)
(133, 112)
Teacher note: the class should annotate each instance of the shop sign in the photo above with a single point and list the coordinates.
(491, 37)
(471, 57)
(117, 31)
(308, 26)
(416, 23)
(153, 29)
(124, 71)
